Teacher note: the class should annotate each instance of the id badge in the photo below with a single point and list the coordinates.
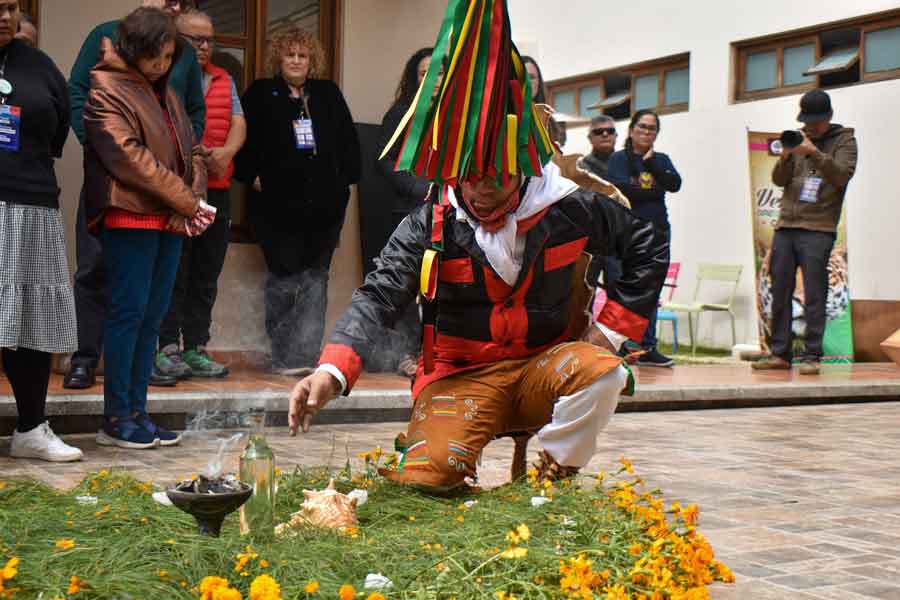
(10, 127)
(810, 191)
(303, 134)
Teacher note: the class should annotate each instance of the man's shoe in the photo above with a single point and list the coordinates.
(157, 379)
(79, 377)
(654, 358)
(124, 432)
(809, 367)
(163, 436)
(42, 443)
(201, 365)
(771, 363)
(169, 362)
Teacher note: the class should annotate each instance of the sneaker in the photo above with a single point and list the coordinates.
(42, 443)
(169, 362)
(809, 367)
(157, 379)
(163, 437)
(201, 365)
(79, 377)
(654, 358)
(124, 432)
(771, 363)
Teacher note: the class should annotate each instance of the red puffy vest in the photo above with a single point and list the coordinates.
(218, 119)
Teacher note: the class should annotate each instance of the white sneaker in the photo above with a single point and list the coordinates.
(42, 443)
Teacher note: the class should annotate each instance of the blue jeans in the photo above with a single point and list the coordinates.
(141, 266)
(610, 276)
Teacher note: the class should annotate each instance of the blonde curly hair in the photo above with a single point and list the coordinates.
(281, 43)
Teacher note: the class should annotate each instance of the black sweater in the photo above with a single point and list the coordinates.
(299, 187)
(410, 190)
(39, 89)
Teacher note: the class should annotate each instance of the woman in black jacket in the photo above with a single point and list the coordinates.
(302, 154)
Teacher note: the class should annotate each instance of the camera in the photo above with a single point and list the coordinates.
(791, 138)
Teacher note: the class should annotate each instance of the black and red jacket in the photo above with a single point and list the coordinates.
(480, 319)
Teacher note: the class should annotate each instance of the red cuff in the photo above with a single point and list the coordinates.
(620, 319)
(345, 359)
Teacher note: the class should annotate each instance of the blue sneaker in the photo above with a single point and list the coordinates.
(124, 432)
(164, 437)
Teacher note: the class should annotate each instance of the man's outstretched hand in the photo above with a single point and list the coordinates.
(310, 396)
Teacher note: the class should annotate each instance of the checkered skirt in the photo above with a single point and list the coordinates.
(37, 308)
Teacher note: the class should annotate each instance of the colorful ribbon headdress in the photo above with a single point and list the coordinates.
(481, 123)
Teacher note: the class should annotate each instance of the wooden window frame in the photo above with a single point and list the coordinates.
(659, 66)
(800, 37)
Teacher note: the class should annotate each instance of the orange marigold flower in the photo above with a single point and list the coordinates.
(75, 585)
(627, 465)
(312, 587)
(347, 592)
(635, 549)
(9, 570)
(376, 596)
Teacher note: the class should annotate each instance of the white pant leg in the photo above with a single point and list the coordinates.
(571, 435)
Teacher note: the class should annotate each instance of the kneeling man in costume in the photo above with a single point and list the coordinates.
(492, 255)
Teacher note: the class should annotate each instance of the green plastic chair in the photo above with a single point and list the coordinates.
(709, 272)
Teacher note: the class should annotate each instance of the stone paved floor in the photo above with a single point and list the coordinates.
(803, 503)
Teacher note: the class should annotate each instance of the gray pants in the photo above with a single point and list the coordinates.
(810, 251)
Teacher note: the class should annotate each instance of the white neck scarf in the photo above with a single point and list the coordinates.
(505, 248)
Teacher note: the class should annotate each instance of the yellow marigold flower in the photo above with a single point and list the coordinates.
(347, 592)
(265, 588)
(263, 564)
(65, 544)
(723, 573)
(412, 518)
(376, 596)
(460, 519)
(103, 473)
(627, 465)
(635, 549)
(514, 552)
(162, 573)
(9, 570)
(523, 532)
(75, 585)
(312, 587)
(501, 595)
(171, 542)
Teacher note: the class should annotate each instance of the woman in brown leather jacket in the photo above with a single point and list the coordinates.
(145, 180)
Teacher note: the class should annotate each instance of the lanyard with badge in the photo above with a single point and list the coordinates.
(304, 137)
(10, 116)
(810, 191)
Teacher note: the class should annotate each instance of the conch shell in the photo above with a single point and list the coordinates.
(328, 508)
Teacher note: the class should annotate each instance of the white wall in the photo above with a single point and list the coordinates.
(711, 215)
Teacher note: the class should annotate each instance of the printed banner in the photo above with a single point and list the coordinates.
(766, 205)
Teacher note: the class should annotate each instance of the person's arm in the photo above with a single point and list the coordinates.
(60, 95)
(783, 171)
(348, 140)
(382, 298)
(123, 154)
(194, 102)
(662, 169)
(80, 80)
(620, 176)
(404, 183)
(644, 252)
(837, 168)
(218, 159)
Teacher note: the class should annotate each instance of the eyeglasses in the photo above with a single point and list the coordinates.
(647, 128)
(604, 131)
(198, 41)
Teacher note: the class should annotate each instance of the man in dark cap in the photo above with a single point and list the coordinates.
(814, 175)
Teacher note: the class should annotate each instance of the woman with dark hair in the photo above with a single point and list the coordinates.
(301, 156)
(37, 310)
(145, 181)
(402, 343)
(538, 90)
(644, 176)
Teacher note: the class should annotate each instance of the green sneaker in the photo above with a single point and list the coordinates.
(169, 362)
(202, 365)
